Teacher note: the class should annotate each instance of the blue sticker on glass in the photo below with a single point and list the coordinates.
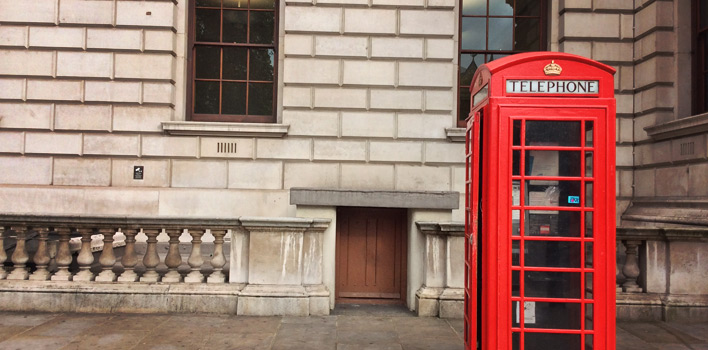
(573, 199)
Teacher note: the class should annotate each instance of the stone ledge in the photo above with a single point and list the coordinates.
(385, 199)
(192, 128)
(441, 228)
(681, 127)
(662, 307)
(455, 134)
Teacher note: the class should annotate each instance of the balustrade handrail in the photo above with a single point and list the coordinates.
(127, 222)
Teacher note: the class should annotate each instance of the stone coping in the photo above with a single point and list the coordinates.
(681, 127)
(455, 134)
(662, 234)
(667, 213)
(195, 128)
(380, 199)
(452, 228)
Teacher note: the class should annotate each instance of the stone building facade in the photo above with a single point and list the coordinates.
(365, 115)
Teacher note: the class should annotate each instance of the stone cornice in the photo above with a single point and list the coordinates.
(192, 128)
(681, 127)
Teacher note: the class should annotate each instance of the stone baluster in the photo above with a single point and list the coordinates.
(3, 255)
(41, 256)
(195, 260)
(173, 259)
(107, 258)
(19, 256)
(63, 258)
(130, 259)
(217, 260)
(85, 258)
(631, 267)
(151, 259)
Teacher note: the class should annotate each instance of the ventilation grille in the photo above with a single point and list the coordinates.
(226, 147)
(688, 148)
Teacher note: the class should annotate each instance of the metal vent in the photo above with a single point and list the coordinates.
(226, 147)
(688, 148)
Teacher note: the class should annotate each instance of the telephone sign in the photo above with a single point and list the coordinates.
(540, 205)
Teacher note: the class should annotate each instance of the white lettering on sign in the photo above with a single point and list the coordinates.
(588, 87)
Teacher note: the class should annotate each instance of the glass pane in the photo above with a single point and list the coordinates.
(588, 254)
(546, 284)
(552, 315)
(515, 221)
(588, 134)
(235, 60)
(464, 103)
(588, 194)
(474, 33)
(528, 7)
(262, 4)
(468, 65)
(501, 33)
(588, 164)
(589, 341)
(209, 3)
(261, 64)
(589, 318)
(515, 162)
(234, 98)
(235, 26)
(552, 133)
(703, 10)
(588, 286)
(553, 163)
(497, 56)
(552, 193)
(515, 192)
(515, 340)
(474, 7)
(515, 283)
(552, 223)
(588, 224)
(207, 61)
(545, 341)
(262, 27)
(551, 254)
(517, 133)
(515, 253)
(207, 25)
(236, 4)
(501, 8)
(526, 34)
(260, 99)
(206, 97)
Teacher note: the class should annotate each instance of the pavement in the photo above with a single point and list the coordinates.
(348, 328)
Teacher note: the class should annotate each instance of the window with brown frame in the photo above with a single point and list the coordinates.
(492, 29)
(232, 60)
(700, 10)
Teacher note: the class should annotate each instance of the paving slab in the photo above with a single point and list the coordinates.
(361, 329)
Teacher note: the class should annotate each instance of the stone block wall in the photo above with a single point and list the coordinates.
(366, 89)
(604, 30)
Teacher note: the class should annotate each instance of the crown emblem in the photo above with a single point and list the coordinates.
(552, 69)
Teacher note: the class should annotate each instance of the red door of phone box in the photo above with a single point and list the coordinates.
(540, 205)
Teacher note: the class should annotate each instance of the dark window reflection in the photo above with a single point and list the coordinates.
(553, 315)
(235, 26)
(209, 3)
(545, 341)
(589, 318)
(207, 62)
(501, 34)
(260, 99)
(526, 34)
(552, 133)
(515, 253)
(234, 98)
(464, 103)
(261, 65)
(206, 97)
(262, 27)
(552, 223)
(528, 7)
(515, 283)
(474, 33)
(468, 66)
(235, 61)
(262, 4)
(546, 284)
(551, 254)
(207, 25)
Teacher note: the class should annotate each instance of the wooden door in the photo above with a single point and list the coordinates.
(371, 255)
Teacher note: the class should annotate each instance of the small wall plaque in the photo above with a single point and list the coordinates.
(138, 172)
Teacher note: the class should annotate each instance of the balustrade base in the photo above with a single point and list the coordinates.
(18, 274)
(283, 300)
(128, 276)
(99, 297)
(662, 307)
(106, 276)
(194, 277)
(440, 302)
(40, 275)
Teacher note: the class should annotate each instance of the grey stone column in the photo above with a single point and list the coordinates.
(19, 256)
(41, 256)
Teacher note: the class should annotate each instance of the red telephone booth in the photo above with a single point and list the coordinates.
(540, 208)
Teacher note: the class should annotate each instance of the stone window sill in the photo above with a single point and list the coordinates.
(455, 134)
(191, 128)
(681, 127)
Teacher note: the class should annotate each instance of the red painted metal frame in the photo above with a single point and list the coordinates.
(498, 111)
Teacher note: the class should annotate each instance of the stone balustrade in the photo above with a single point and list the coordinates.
(42, 257)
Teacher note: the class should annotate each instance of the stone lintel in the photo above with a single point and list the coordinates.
(381, 199)
(280, 223)
(192, 128)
